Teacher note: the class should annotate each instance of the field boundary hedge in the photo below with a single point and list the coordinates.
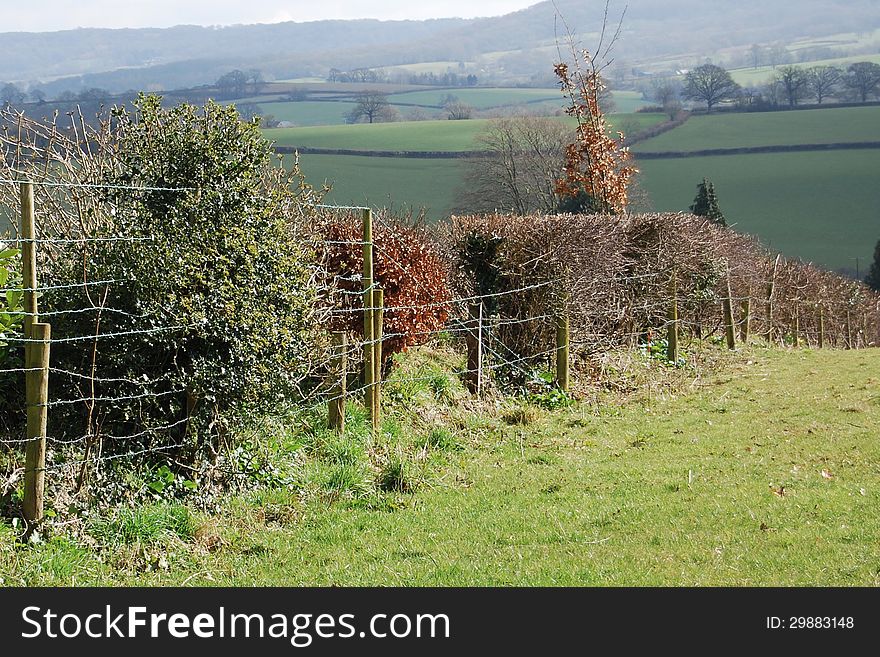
(747, 150)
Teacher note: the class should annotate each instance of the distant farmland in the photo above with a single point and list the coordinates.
(387, 181)
(410, 136)
(818, 126)
(820, 206)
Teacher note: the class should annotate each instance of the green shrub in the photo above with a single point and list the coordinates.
(220, 283)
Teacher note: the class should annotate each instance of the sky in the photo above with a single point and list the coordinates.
(69, 14)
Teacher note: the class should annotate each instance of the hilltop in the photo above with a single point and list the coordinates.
(516, 45)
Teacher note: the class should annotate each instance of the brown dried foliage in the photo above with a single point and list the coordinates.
(406, 265)
(617, 280)
(595, 164)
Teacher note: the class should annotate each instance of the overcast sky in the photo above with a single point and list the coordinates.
(68, 14)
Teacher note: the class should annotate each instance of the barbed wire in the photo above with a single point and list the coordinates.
(73, 185)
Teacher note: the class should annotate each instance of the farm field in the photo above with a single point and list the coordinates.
(387, 181)
(309, 112)
(819, 206)
(443, 135)
(320, 111)
(480, 98)
(734, 483)
(819, 126)
(752, 77)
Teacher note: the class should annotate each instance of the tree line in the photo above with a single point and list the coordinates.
(790, 85)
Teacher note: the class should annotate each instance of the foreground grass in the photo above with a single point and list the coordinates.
(765, 473)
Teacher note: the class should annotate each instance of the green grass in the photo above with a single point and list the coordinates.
(754, 77)
(403, 136)
(819, 206)
(480, 97)
(820, 126)
(626, 102)
(386, 181)
(764, 474)
(309, 113)
(443, 135)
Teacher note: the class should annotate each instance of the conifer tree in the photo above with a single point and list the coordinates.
(706, 203)
(872, 280)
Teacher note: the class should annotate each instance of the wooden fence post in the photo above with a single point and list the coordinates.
(36, 359)
(378, 319)
(821, 326)
(849, 344)
(563, 350)
(37, 398)
(770, 287)
(339, 373)
(473, 338)
(746, 320)
(728, 318)
(369, 359)
(797, 323)
(672, 322)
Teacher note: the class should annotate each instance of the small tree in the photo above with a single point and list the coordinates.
(596, 172)
(371, 105)
(710, 84)
(872, 280)
(520, 163)
(706, 203)
(793, 81)
(822, 81)
(863, 78)
(232, 84)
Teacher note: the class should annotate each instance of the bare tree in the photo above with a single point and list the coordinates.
(666, 93)
(822, 81)
(458, 111)
(863, 78)
(711, 84)
(372, 105)
(523, 158)
(794, 81)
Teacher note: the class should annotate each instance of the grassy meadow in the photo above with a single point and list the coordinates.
(720, 479)
(818, 126)
(387, 181)
(755, 77)
(442, 135)
(819, 206)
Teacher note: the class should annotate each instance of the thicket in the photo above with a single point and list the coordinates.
(210, 316)
(617, 276)
(407, 266)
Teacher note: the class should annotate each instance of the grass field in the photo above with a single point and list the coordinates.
(820, 126)
(753, 77)
(765, 473)
(481, 98)
(387, 181)
(308, 112)
(819, 206)
(441, 135)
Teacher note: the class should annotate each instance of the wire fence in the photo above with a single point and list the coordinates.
(576, 289)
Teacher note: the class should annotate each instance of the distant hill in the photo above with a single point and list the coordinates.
(188, 55)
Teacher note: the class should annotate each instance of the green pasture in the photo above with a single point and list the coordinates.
(753, 77)
(763, 473)
(479, 97)
(442, 135)
(309, 112)
(820, 206)
(817, 126)
(386, 181)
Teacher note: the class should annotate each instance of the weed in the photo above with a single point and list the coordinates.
(149, 524)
